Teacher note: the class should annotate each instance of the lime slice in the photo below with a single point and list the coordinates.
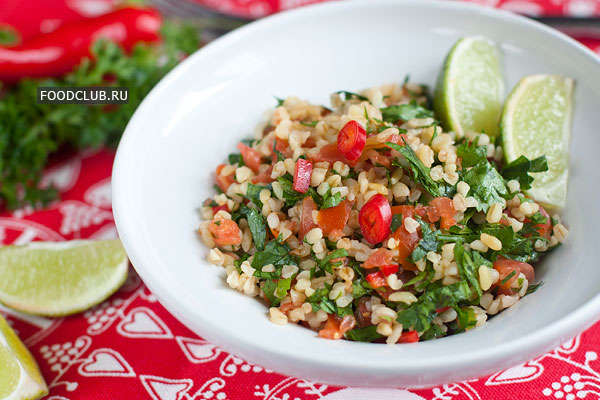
(537, 121)
(470, 88)
(60, 278)
(20, 377)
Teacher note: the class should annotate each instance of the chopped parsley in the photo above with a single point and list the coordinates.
(487, 186)
(366, 334)
(419, 171)
(405, 112)
(350, 95)
(521, 168)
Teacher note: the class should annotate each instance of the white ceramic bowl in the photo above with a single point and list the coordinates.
(195, 116)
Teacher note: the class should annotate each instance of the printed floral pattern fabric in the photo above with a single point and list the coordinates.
(130, 347)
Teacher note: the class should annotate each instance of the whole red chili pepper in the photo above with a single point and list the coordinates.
(58, 52)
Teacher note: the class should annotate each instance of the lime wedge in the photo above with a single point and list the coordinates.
(470, 88)
(60, 278)
(20, 377)
(536, 121)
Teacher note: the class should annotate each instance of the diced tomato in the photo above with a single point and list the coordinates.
(263, 177)
(376, 279)
(407, 242)
(409, 337)
(331, 154)
(283, 147)
(545, 228)
(223, 181)
(252, 158)
(351, 140)
(375, 218)
(302, 174)
(216, 209)
(389, 269)
(405, 210)
(306, 219)
(505, 267)
(225, 231)
(379, 257)
(332, 220)
(348, 322)
(362, 313)
(331, 330)
(444, 207)
(373, 142)
(377, 159)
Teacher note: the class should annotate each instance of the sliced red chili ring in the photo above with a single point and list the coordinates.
(351, 140)
(375, 219)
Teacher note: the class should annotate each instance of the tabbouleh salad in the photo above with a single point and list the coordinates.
(367, 221)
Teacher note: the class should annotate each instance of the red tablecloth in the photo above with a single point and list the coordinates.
(130, 347)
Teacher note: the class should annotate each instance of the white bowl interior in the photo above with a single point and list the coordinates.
(194, 118)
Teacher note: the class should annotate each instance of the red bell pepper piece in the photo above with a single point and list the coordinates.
(216, 209)
(389, 269)
(58, 52)
(302, 175)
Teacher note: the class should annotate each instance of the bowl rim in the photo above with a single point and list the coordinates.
(547, 336)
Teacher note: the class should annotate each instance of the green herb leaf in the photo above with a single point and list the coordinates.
(405, 112)
(290, 196)
(428, 242)
(310, 124)
(486, 184)
(521, 168)
(396, 222)
(466, 267)
(258, 227)
(420, 172)
(349, 95)
(419, 315)
(366, 334)
(253, 193)
(274, 253)
(470, 153)
(331, 200)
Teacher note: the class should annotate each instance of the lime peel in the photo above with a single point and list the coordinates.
(536, 121)
(61, 278)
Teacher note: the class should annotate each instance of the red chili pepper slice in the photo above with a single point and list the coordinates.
(302, 175)
(376, 279)
(375, 219)
(58, 52)
(387, 270)
(409, 337)
(351, 140)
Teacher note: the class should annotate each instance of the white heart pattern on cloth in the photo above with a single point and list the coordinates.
(161, 388)
(520, 373)
(198, 351)
(368, 393)
(63, 177)
(144, 323)
(106, 362)
(99, 194)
